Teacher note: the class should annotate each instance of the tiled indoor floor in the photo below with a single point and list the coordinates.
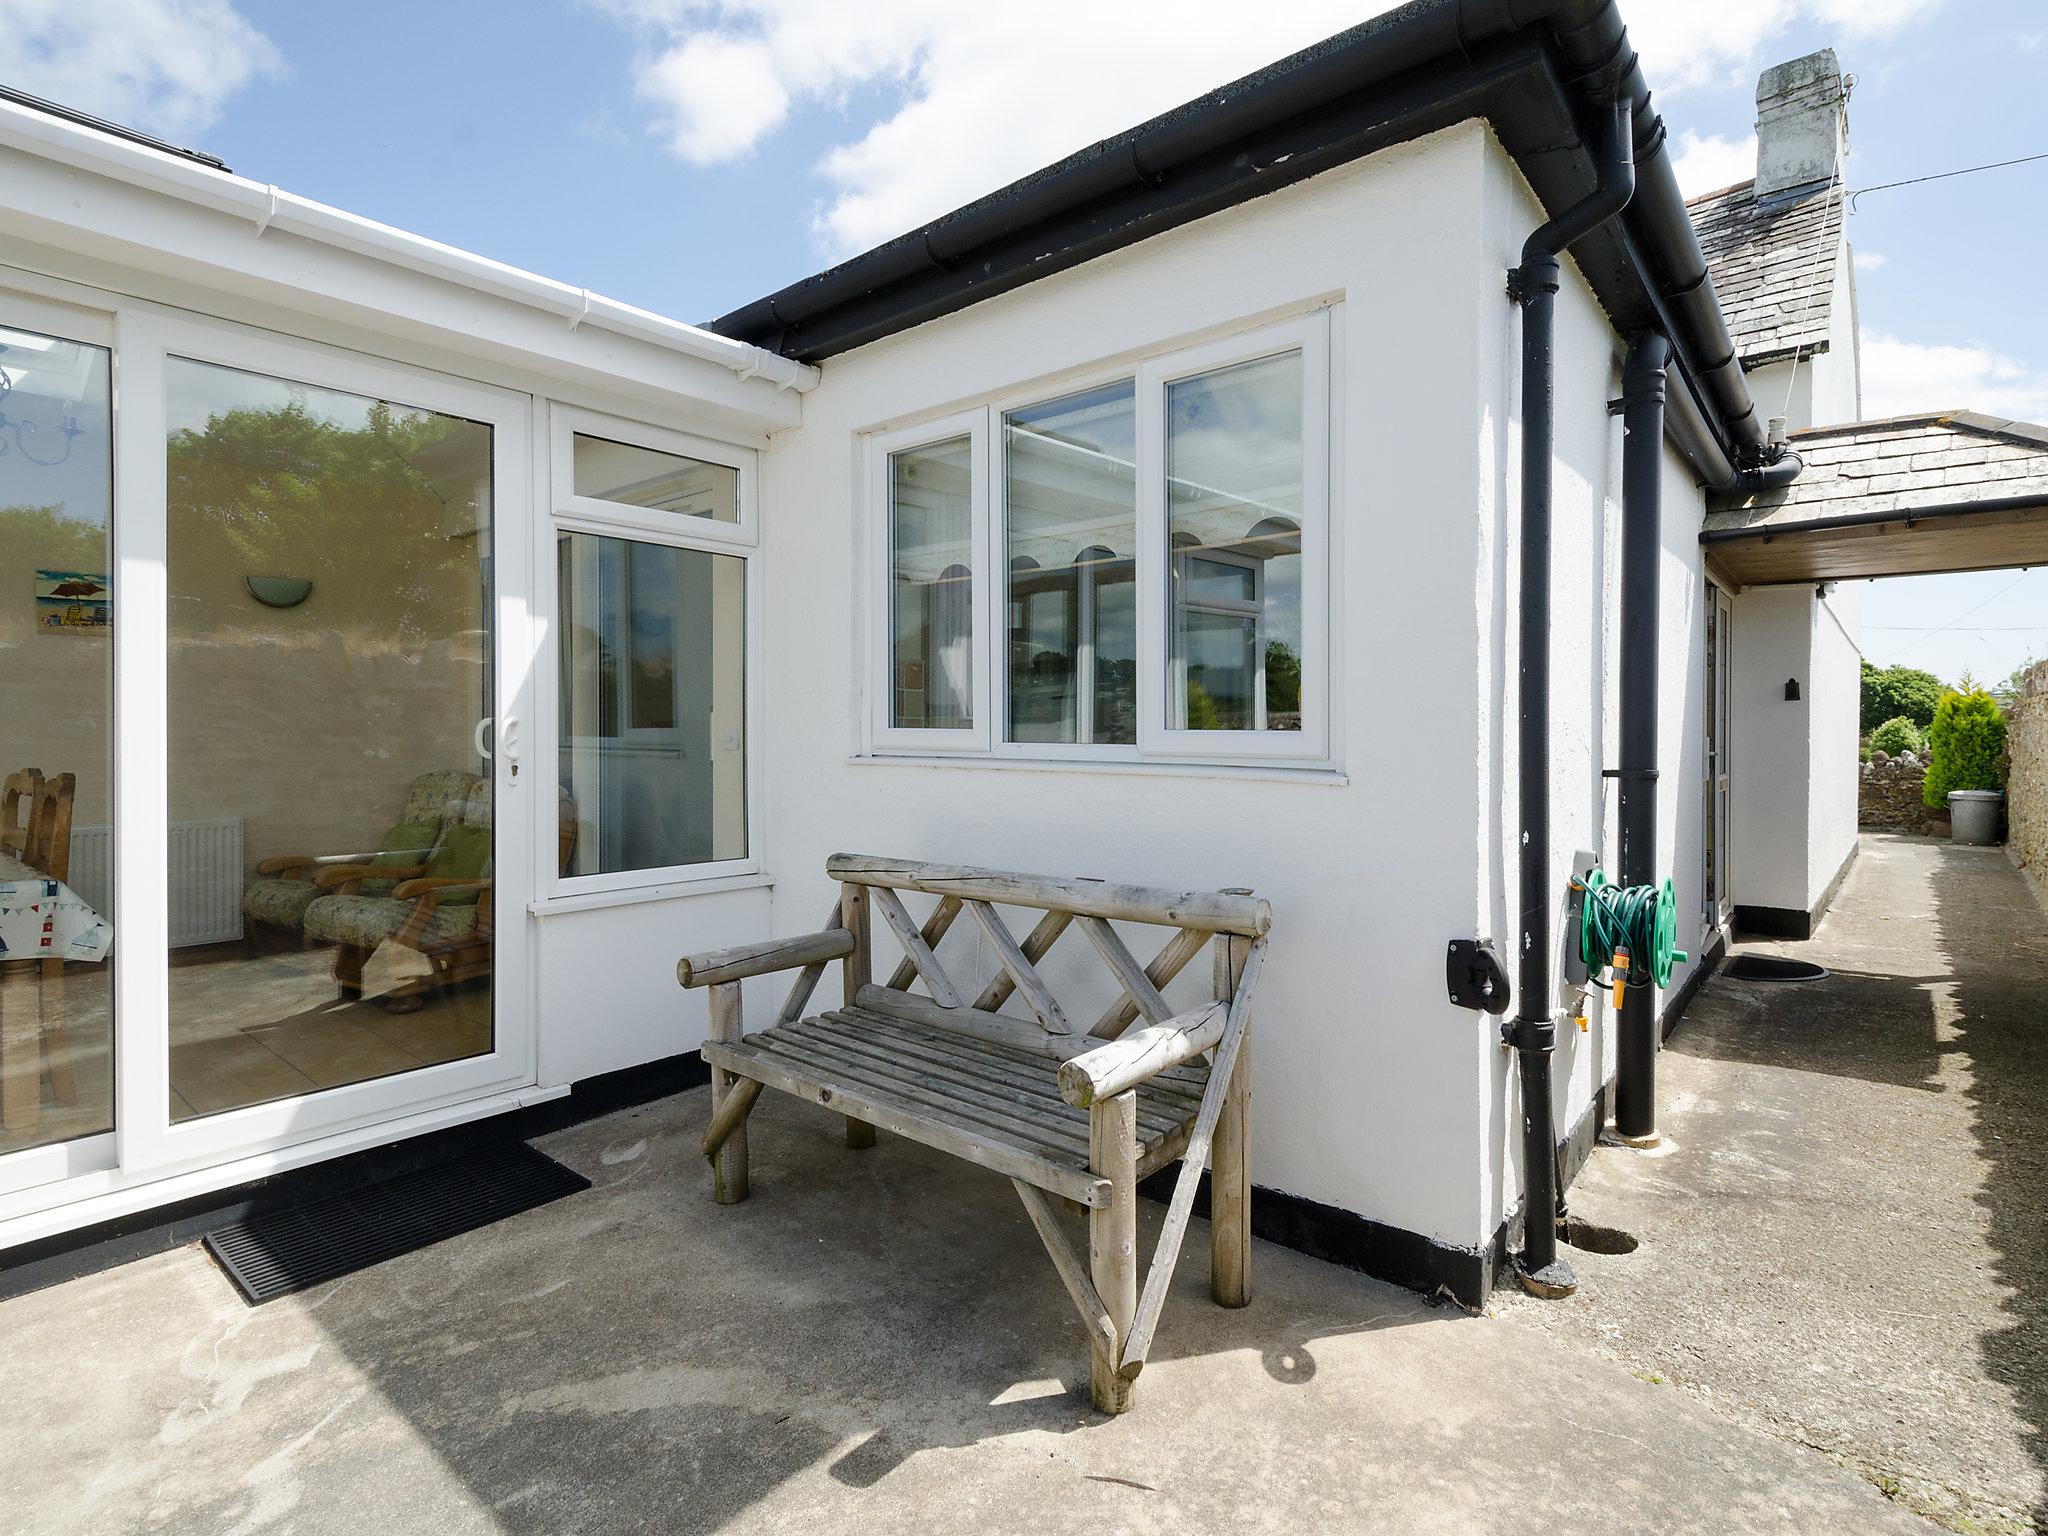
(248, 1026)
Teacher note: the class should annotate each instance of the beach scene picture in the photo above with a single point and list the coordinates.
(73, 602)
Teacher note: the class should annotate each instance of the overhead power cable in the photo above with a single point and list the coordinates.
(2023, 575)
(1968, 170)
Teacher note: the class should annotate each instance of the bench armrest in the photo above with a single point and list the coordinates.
(720, 965)
(1121, 1064)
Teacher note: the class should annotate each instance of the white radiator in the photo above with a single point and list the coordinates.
(205, 877)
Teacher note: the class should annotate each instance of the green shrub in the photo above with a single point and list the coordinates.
(1896, 735)
(1890, 691)
(1964, 745)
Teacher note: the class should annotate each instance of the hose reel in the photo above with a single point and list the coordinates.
(1631, 931)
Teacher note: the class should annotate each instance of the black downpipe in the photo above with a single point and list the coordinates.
(1642, 474)
(1533, 1033)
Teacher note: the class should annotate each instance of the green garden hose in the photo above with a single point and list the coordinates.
(1641, 919)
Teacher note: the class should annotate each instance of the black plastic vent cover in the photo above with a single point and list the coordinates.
(1772, 968)
(279, 1252)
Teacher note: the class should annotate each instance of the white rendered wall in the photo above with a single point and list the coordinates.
(1793, 763)
(1836, 718)
(1371, 1083)
(1769, 760)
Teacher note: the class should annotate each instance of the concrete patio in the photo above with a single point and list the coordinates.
(874, 1342)
(1844, 1240)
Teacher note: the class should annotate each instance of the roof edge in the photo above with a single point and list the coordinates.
(1538, 70)
(66, 139)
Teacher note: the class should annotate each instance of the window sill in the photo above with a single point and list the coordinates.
(670, 890)
(1278, 773)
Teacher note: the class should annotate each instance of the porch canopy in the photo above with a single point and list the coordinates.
(1904, 496)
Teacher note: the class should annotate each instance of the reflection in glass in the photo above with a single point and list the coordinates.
(653, 703)
(56, 742)
(331, 902)
(931, 609)
(647, 477)
(1070, 522)
(1234, 486)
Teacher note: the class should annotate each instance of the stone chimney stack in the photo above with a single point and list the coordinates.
(1802, 124)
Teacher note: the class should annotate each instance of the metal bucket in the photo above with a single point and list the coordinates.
(1974, 816)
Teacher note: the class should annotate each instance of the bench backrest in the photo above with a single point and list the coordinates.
(1231, 919)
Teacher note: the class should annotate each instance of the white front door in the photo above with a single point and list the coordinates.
(308, 822)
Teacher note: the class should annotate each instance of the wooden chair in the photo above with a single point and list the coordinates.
(17, 799)
(43, 842)
(1083, 1113)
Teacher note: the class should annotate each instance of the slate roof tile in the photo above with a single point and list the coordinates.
(1773, 266)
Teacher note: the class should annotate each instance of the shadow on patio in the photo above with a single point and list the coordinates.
(874, 1341)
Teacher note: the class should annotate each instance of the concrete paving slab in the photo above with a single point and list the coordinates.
(874, 1342)
(1844, 1239)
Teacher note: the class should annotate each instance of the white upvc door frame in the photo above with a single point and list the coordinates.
(149, 1146)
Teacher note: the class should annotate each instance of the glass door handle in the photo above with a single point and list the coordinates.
(508, 741)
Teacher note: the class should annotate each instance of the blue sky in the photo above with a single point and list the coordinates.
(689, 157)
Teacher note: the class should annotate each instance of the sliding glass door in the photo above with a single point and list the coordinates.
(266, 851)
(333, 894)
(56, 738)
(319, 854)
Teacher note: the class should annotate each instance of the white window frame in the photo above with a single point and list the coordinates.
(702, 532)
(1308, 335)
(570, 513)
(1309, 748)
(886, 736)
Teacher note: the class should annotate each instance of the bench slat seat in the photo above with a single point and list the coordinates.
(975, 1099)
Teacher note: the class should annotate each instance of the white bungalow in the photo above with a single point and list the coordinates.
(479, 645)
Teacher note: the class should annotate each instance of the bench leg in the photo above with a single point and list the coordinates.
(1113, 1242)
(1230, 1151)
(859, 1134)
(729, 1162)
(1230, 1189)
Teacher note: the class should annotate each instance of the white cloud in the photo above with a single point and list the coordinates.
(978, 95)
(1707, 162)
(164, 66)
(1869, 261)
(1900, 377)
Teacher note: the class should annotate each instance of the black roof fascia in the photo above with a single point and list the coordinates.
(1532, 70)
(896, 286)
(87, 120)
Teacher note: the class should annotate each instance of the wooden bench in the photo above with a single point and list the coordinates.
(1059, 1106)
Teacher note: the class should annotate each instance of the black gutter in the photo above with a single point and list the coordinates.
(1533, 1034)
(1642, 540)
(1529, 67)
(87, 120)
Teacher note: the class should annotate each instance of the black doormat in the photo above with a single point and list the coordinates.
(278, 1252)
(1772, 968)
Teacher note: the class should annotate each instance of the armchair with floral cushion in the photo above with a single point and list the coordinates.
(441, 911)
(276, 904)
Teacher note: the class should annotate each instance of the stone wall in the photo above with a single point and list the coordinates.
(2026, 778)
(1888, 799)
